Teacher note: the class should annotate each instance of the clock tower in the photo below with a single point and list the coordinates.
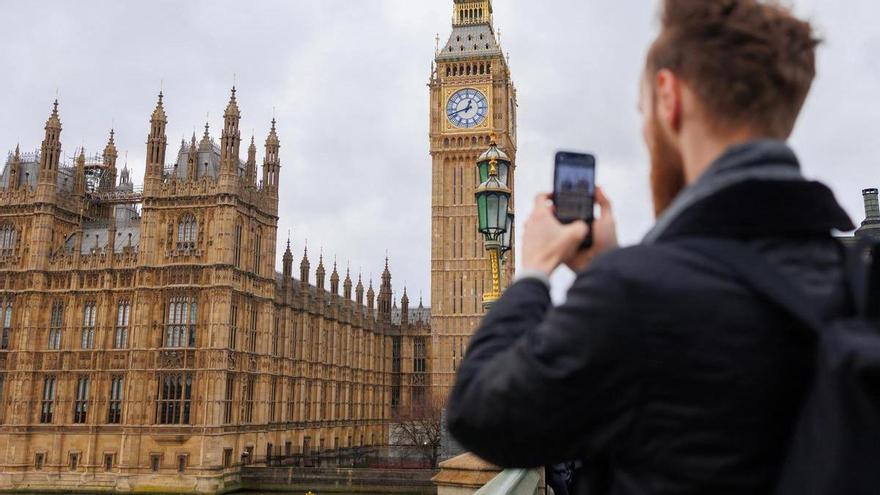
(473, 102)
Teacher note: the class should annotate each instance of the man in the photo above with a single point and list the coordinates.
(662, 371)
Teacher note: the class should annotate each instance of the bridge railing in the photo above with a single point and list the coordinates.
(468, 474)
(513, 482)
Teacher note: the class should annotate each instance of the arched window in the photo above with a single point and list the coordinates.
(8, 237)
(6, 307)
(88, 327)
(180, 323)
(187, 230)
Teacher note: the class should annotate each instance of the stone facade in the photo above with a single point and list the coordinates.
(148, 342)
(469, 71)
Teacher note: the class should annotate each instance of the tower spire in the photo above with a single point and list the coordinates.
(359, 291)
(108, 180)
(14, 171)
(50, 151)
(287, 263)
(334, 280)
(230, 139)
(79, 183)
(156, 145)
(272, 162)
(251, 171)
(346, 285)
(304, 268)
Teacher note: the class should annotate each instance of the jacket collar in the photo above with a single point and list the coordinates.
(753, 190)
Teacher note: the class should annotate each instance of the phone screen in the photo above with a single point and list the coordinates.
(575, 186)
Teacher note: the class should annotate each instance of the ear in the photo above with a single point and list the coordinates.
(668, 97)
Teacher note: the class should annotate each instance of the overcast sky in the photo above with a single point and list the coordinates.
(347, 80)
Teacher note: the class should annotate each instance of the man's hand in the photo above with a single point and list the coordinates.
(546, 241)
(604, 235)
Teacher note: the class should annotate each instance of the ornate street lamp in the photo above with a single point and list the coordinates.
(493, 197)
(507, 237)
(501, 159)
(495, 220)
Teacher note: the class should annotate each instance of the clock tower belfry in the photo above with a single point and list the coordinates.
(473, 103)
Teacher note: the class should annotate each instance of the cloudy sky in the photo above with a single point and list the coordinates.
(347, 82)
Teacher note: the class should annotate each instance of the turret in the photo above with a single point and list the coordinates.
(230, 140)
(79, 179)
(304, 270)
(205, 149)
(192, 159)
(334, 281)
(404, 308)
(359, 292)
(272, 162)
(251, 171)
(472, 12)
(50, 152)
(287, 265)
(346, 286)
(14, 171)
(371, 295)
(156, 146)
(385, 295)
(125, 176)
(319, 274)
(108, 180)
(871, 225)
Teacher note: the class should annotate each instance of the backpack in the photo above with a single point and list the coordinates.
(835, 447)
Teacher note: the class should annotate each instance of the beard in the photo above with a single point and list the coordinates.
(667, 169)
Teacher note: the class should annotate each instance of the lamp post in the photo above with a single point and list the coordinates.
(495, 218)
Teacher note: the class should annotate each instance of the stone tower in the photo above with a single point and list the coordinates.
(472, 100)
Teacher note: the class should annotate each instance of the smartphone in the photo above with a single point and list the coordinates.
(574, 189)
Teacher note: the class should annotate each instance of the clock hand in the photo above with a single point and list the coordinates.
(470, 105)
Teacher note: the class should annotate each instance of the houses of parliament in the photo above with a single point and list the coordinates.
(148, 342)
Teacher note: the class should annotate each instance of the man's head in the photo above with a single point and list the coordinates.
(720, 72)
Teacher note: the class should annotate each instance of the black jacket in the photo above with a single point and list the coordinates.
(662, 372)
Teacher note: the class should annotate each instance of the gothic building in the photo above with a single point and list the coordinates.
(473, 103)
(148, 342)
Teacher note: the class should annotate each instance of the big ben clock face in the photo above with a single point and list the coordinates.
(467, 108)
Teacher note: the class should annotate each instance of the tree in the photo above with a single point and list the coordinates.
(419, 426)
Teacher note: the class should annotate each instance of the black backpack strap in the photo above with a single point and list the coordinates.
(761, 276)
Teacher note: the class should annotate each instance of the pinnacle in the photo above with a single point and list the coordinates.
(232, 107)
(54, 122)
(159, 112)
